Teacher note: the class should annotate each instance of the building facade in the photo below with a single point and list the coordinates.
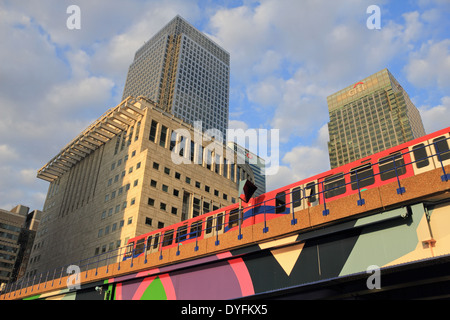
(184, 73)
(369, 116)
(17, 231)
(134, 170)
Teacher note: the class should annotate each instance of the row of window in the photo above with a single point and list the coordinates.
(196, 153)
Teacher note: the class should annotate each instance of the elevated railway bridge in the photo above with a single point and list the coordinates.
(394, 245)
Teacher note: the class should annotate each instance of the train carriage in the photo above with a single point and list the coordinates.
(414, 157)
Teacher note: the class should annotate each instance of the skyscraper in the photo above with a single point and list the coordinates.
(184, 73)
(369, 116)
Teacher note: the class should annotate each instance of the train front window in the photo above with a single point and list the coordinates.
(442, 149)
(390, 165)
(334, 185)
(420, 155)
(362, 176)
(280, 202)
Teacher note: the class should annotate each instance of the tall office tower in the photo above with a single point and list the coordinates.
(369, 116)
(122, 177)
(184, 73)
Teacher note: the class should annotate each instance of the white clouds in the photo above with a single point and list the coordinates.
(431, 65)
(436, 118)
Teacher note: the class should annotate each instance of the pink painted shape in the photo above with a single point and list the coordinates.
(168, 286)
(142, 287)
(243, 276)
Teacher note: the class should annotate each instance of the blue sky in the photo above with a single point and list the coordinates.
(287, 56)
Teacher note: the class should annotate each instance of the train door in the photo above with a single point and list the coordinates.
(213, 225)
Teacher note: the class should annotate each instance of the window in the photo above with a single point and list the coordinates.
(177, 175)
(362, 176)
(155, 165)
(296, 197)
(233, 220)
(148, 221)
(152, 136)
(163, 136)
(209, 224)
(390, 164)
(196, 208)
(181, 233)
(442, 149)
(420, 154)
(156, 242)
(130, 220)
(167, 170)
(196, 229)
(140, 244)
(153, 183)
(165, 188)
(334, 185)
(162, 206)
(197, 184)
(219, 222)
(280, 202)
(168, 238)
(149, 242)
(176, 192)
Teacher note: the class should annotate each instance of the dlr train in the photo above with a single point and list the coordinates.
(411, 158)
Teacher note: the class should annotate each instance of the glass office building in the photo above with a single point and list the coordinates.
(369, 116)
(184, 73)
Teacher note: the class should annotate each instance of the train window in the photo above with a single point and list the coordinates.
(209, 224)
(280, 202)
(311, 192)
(387, 168)
(234, 218)
(196, 229)
(168, 238)
(420, 154)
(156, 241)
(149, 242)
(181, 233)
(219, 222)
(296, 197)
(334, 185)
(442, 149)
(362, 176)
(140, 244)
